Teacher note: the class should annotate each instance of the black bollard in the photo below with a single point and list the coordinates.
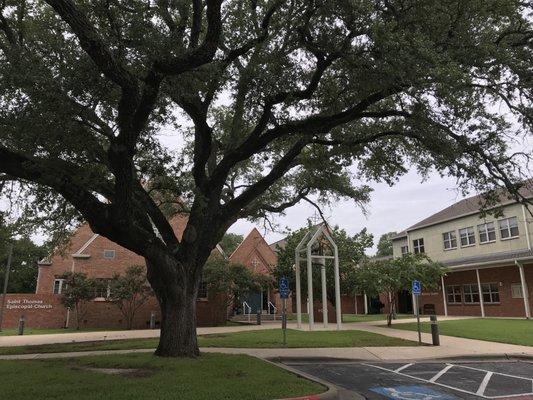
(434, 330)
(152, 320)
(22, 320)
(259, 317)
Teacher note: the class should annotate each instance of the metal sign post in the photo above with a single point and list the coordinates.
(417, 289)
(284, 294)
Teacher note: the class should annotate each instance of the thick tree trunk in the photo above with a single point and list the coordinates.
(178, 326)
(176, 293)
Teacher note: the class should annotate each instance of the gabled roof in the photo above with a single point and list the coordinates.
(254, 243)
(470, 205)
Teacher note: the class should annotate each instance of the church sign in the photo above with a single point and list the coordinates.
(27, 304)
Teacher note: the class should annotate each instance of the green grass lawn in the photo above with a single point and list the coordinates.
(513, 331)
(209, 377)
(269, 338)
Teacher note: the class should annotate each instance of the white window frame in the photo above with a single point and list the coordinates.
(469, 234)
(404, 249)
(516, 294)
(108, 290)
(490, 292)
(504, 225)
(419, 246)
(448, 238)
(470, 290)
(61, 285)
(453, 294)
(485, 230)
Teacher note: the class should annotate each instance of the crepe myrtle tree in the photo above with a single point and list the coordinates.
(276, 102)
(388, 277)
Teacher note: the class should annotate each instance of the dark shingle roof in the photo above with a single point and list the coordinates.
(470, 205)
(488, 258)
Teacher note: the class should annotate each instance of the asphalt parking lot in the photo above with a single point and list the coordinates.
(427, 380)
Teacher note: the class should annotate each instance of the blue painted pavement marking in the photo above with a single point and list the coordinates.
(412, 393)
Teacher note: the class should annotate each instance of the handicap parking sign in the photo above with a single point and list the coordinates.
(412, 393)
(284, 288)
(417, 287)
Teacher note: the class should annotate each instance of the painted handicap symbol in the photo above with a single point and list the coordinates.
(412, 393)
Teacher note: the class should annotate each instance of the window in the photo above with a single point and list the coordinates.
(103, 289)
(450, 240)
(109, 254)
(418, 246)
(508, 228)
(453, 294)
(487, 233)
(471, 293)
(404, 250)
(468, 238)
(202, 290)
(59, 285)
(490, 293)
(516, 291)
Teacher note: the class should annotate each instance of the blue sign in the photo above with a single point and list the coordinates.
(417, 287)
(284, 288)
(412, 393)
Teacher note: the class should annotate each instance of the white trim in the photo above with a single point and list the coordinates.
(525, 291)
(487, 264)
(444, 296)
(480, 290)
(79, 252)
(526, 225)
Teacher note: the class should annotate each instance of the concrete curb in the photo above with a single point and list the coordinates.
(333, 392)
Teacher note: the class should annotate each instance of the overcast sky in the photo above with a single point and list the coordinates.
(390, 209)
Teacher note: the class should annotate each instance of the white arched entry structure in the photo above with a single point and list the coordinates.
(311, 248)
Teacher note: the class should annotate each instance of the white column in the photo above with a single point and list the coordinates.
(298, 292)
(324, 293)
(525, 291)
(481, 303)
(444, 296)
(338, 309)
(310, 310)
(365, 298)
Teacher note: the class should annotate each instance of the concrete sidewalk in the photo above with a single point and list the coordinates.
(72, 337)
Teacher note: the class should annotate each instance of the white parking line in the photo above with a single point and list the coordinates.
(481, 390)
(484, 383)
(441, 372)
(403, 367)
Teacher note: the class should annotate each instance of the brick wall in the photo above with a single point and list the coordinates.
(39, 310)
(504, 277)
(46, 311)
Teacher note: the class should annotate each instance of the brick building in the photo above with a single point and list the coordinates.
(99, 258)
(489, 259)
(256, 254)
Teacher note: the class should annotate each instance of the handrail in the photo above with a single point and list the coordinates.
(274, 308)
(244, 306)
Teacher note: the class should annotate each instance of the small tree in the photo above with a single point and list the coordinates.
(129, 292)
(232, 279)
(229, 242)
(391, 276)
(78, 290)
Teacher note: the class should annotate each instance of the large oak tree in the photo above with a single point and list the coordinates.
(277, 101)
